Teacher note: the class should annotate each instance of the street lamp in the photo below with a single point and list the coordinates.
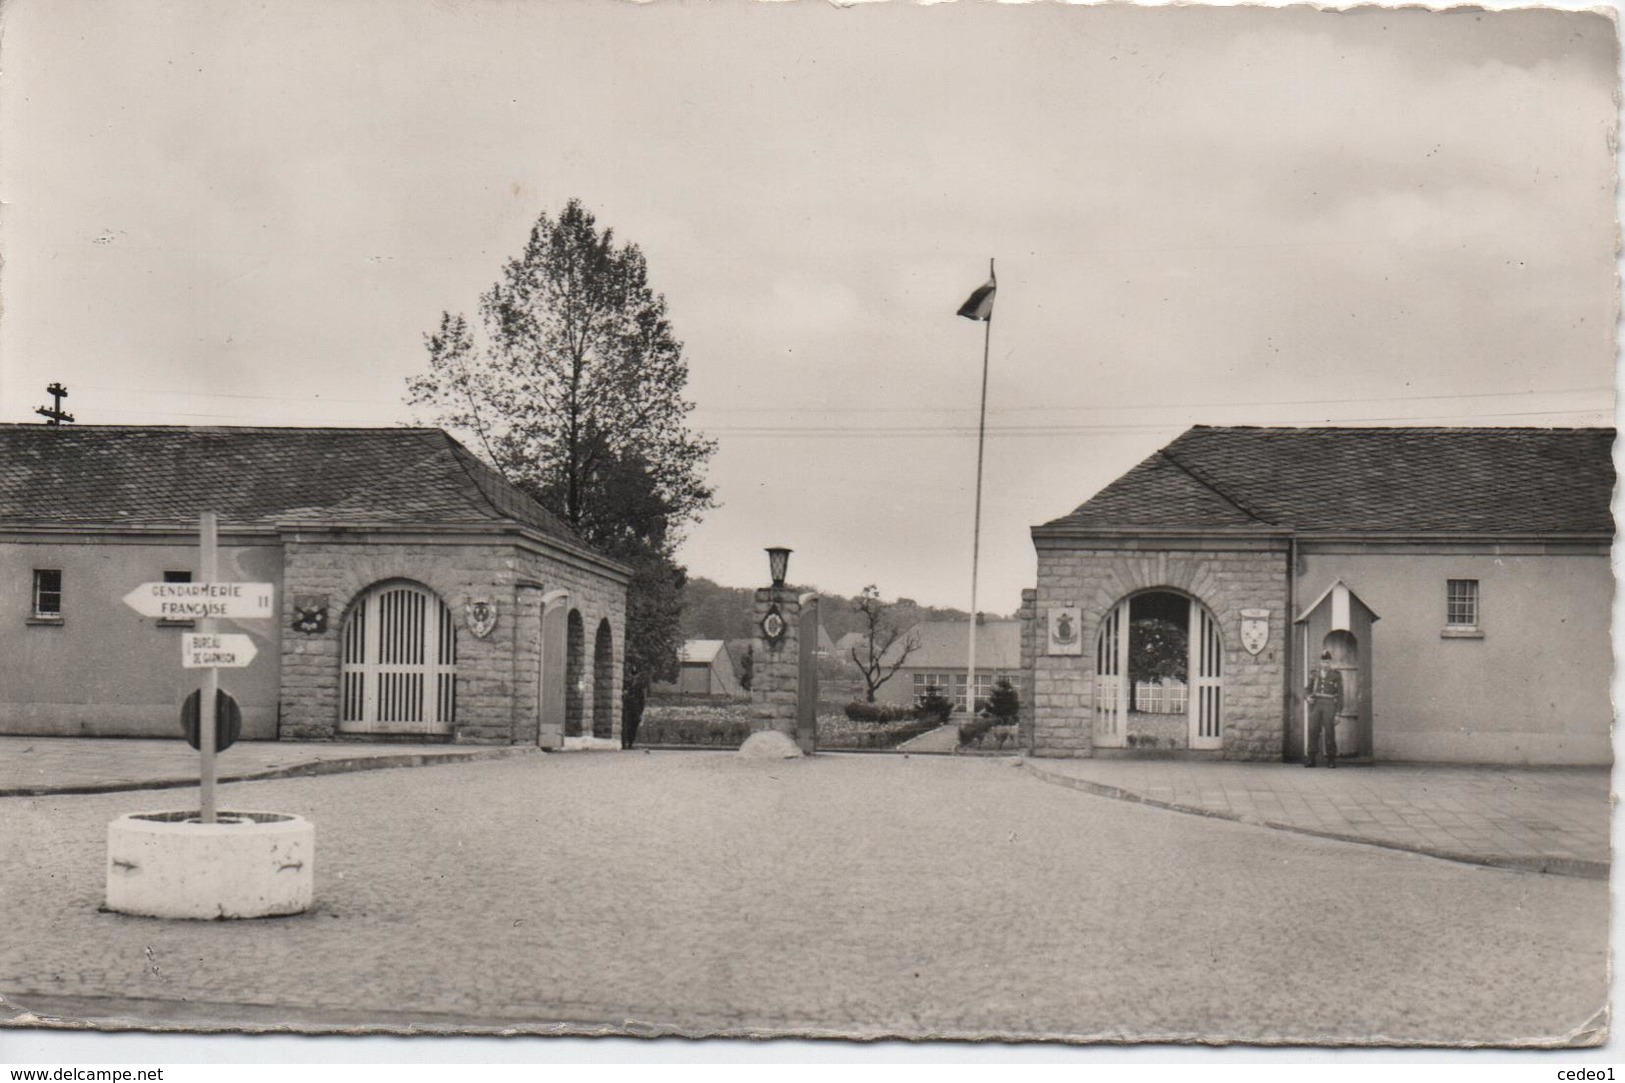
(778, 562)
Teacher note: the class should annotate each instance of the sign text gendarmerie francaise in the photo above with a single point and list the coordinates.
(201, 601)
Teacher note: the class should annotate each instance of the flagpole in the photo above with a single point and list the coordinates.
(976, 535)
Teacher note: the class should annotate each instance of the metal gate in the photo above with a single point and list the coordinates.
(400, 664)
(1111, 679)
(1207, 679)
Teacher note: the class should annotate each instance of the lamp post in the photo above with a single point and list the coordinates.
(778, 563)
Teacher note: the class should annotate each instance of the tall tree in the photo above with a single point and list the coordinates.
(574, 391)
(1158, 651)
(885, 648)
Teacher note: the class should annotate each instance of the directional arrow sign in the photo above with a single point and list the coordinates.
(200, 651)
(202, 601)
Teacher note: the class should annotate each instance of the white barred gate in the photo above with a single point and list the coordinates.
(399, 671)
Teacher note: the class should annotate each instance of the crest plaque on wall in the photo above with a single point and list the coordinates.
(1065, 630)
(1255, 629)
(481, 615)
(310, 613)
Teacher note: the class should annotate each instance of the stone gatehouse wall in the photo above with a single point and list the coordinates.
(497, 677)
(1227, 577)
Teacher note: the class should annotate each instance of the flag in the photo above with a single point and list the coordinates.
(979, 306)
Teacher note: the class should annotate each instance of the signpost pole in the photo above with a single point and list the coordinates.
(208, 541)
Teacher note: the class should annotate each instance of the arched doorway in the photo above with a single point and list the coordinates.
(575, 674)
(603, 682)
(399, 663)
(551, 681)
(1351, 740)
(1159, 674)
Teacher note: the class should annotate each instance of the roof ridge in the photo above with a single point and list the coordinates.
(1234, 501)
(467, 461)
(1448, 429)
(300, 429)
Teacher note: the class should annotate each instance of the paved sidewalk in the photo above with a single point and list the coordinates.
(32, 766)
(1552, 819)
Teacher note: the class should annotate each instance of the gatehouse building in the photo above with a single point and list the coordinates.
(1460, 578)
(420, 596)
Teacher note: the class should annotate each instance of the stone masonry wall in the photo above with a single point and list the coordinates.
(597, 599)
(1096, 579)
(496, 676)
(775, 675)
(1028, 615)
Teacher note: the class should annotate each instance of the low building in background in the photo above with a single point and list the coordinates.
(941, 658)
(705, 667)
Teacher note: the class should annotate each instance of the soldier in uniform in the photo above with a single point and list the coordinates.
(1325, 692)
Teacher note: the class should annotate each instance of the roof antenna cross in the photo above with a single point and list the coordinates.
(55, 415)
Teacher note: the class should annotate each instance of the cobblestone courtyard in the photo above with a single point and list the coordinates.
(842, 895)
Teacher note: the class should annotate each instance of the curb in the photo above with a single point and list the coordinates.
(1554, 866)
(297, 770)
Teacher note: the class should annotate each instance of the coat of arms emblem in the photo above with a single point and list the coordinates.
(1255, 629)
(481, 615)
(774, 626)
(1065, 630)
(310, 613)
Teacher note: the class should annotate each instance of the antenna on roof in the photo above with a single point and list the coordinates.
(55, 415)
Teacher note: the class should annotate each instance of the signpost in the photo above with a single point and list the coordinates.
(207, 649)
(210, 865)
(216, 651)
(203, 601)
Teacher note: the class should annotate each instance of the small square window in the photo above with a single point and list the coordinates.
(1461, 603)
(177, 577)
(48, 593)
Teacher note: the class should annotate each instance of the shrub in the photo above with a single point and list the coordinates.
(1004, 703)
(934, 705)
(858, 711)
(973, 730)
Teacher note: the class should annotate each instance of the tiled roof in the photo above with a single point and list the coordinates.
(1392, 480)
(163, 476)
(945, 644)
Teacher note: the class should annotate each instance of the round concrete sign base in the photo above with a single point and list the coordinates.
(247, 865)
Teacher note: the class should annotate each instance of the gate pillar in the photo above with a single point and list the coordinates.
(784, 678)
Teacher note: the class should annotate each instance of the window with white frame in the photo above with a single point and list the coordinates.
(1461, 603)
(47, 593)
(925, 682)
(984, 688)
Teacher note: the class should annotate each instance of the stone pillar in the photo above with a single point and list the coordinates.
(775, 676)
(1028, 615)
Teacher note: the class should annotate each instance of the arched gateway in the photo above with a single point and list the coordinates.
(399, 662)
(1159, 674)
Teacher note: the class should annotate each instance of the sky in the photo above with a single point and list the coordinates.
(237, 213)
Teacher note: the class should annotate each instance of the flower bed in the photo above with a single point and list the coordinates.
(720, 725)
(726, 725)
(838, 731)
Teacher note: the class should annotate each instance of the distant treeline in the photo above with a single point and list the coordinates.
(713, 611)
